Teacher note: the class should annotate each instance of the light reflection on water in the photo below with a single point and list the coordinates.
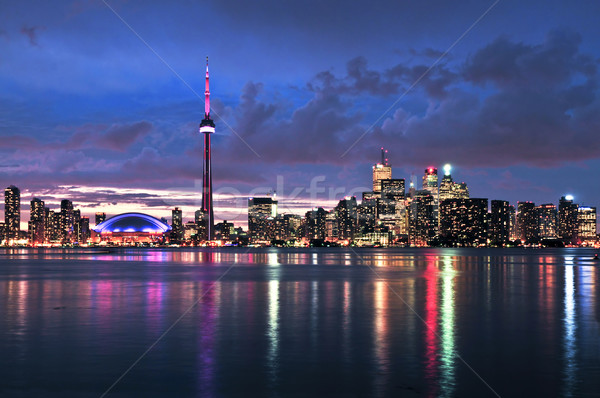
(310, 321)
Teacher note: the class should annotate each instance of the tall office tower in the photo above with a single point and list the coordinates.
(366, 215)
(430, 184)
(66, 219)
(422, 224)
(548, 221)
(331, 226)
(76, 226)
(100, 217)
(37, 221)
(84, 228)
(527, 222)
(347, 215)
(261, 213)
(567, 220)
(463, 221)
(450, 189)
(12, 212)
(177, 225)
(587, 224)
(499, 222)
(512, 235)
(50, 232)
(381, 171)
(207, 127)
(315, 223)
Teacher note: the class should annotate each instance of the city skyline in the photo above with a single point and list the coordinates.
(512, 106)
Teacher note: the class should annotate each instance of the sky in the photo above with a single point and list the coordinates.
(100, 102)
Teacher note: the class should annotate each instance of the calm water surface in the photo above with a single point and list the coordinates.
(286, 322)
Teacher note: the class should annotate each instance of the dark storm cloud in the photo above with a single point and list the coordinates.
(514, 64)
(542, 109)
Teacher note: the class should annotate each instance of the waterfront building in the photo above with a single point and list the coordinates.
(422, 224)
(37, 221)
(548, 221)
(586, 232)
(347, 214)
(463, 221)
(66, 220)
(177, 230)
(12, 212)
(527, 222)
(568, 222)
(261, 212)
(131, 229)
(499, 222)
(315, 224)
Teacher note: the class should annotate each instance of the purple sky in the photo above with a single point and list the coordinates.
(88, 111)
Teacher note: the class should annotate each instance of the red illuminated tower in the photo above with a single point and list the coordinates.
(207, 127)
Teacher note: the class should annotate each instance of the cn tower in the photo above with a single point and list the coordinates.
(207, 127)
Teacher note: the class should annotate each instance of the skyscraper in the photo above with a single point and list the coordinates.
(463, 221)
(12, 212)
(450, 189)
(261, 213)
(548, 220)
(500, 222)
(527, 222)
(207, 127)
(587, 224)
(66, 219)
(176, 224)
(430, 184)
(347, 216)
(37, 220)
(381, 171)
(567, 220)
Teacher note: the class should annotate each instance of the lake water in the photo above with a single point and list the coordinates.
(300, 322)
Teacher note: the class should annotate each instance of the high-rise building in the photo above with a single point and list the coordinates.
(463, 221)
(430, 184)
(315, 224)
(548, 221)
(499, 222)
(381, 171)
(393, 189)
(422, 224)
(527, 222)
(568, 220)
(100, 217)
(512, 235)
(207, 127)
(12, 212)
(84, 230)
(66, 220)
(52, 226)
(450, 189)
(261, 213)
(347, 216)
(177, 225)
(587, 224)
(37, 221)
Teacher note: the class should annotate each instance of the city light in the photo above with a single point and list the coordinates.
(447, 169)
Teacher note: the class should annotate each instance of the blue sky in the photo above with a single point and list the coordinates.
(104, 113)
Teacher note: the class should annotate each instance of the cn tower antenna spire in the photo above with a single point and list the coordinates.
(207, 95)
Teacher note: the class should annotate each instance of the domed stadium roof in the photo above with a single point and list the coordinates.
(132, 222)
